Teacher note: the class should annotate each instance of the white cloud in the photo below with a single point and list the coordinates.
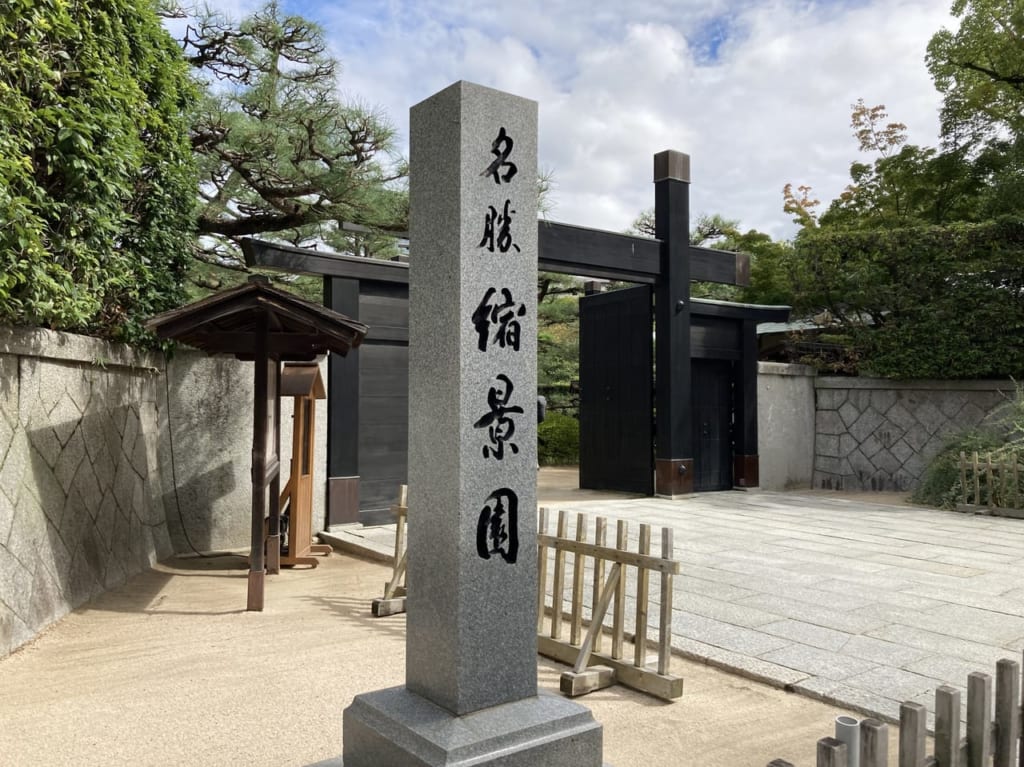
(617, 82)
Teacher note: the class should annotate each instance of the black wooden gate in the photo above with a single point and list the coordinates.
(712, 424)
(616, 364)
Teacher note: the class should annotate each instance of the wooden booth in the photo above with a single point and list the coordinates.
(268, 326)
(302, 382)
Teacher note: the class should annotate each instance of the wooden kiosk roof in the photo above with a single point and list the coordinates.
(230, 322)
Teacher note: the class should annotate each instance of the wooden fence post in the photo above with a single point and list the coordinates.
(963, 477)
(642, 581)
(542, 567)
(979, 719)
(618, 619)
(874, 743)
(578, 560)
(665, 626)
(831, 753)
(558, 587)
(947, 727)
(1007, 719)
(992, 482)
(977, 481)
(601, 539)
(913, 718)
(1016, 480)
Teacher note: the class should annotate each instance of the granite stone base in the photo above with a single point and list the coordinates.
(398, 728)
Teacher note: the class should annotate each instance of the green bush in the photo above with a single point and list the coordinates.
(921, 302)
(1001, 432)
(558, 440)
(941, 486)
(97, 183)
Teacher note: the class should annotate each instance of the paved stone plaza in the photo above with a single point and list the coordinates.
(854, 602)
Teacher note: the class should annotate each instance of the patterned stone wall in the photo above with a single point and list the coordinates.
(880, 435)
(80, 494)
(100, 477)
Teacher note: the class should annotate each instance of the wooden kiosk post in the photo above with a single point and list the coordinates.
(303, 383)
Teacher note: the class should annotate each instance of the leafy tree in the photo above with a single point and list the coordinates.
(558, 351)
(771, 279)
(979, 69)
(905, 185)
(280, 154)
(906, 284)
(802, 207)
(96, 177)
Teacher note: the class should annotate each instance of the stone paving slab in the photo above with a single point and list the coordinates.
(854, 602)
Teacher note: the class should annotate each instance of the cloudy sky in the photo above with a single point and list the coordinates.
(757, 92)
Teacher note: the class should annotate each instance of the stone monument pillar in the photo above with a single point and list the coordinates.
(471, 648)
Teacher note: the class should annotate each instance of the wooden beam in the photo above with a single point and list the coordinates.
(587, 252)
(304, 261)
(562, 248)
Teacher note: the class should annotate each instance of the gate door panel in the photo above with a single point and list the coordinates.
(616, 372)
(712, 424)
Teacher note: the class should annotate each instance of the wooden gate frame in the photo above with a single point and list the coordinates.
(668, 262)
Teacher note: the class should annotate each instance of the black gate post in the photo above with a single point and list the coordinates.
(674, 437)
(745, 470)
(342, 296)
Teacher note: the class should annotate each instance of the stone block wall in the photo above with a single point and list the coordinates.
(873, 434)
(80, 493)
(111, 459)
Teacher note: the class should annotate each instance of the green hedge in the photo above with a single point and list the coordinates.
(921, 302)
(97, 183)
(558, 440)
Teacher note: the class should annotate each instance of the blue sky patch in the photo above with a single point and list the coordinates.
(708, 39)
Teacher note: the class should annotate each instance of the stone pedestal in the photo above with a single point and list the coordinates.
(398, 728)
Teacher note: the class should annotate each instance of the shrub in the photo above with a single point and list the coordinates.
(558, 440)
(97, 183)
(1002, 431)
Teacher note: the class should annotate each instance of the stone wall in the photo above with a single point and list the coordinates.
(206, 451)
(111, 459)
(81, 505)
(875, 434)
(785, 425)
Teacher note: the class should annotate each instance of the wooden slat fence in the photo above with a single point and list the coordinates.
(992, 483)
(990, 738)
(592, 667)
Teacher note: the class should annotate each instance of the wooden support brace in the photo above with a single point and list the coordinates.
(576, 683)
(644, 680)
(384, 607)
(597, 620)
